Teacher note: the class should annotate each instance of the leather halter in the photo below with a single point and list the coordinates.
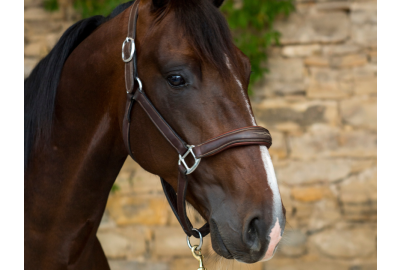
(253, 135)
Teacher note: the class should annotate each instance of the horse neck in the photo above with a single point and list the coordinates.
(71, 175)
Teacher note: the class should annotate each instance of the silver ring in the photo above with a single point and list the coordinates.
(201, 241)
(128, 39)
(139, 83)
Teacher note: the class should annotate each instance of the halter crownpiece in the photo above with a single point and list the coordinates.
(253, 135)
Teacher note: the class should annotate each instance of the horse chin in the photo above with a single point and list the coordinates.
(217, 243)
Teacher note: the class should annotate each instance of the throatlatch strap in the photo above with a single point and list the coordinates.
(173, 202)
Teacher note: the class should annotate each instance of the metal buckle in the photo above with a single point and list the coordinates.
(127, 40)
(182, 160)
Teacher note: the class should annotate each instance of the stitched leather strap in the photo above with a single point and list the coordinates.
(253, 135)
(242, 136)
(130, 67)
(168, 133)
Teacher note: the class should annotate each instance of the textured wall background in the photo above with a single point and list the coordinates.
(319, 103)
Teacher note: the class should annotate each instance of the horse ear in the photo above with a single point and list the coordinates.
(159, 3)
(218, 3)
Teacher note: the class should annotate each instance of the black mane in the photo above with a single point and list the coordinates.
(41, 85)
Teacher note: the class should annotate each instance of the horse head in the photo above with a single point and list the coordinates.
(197, 79)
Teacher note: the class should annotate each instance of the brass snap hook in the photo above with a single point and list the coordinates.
(198, 257)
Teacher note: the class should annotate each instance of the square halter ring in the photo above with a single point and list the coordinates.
(182, 160)
(132, 41)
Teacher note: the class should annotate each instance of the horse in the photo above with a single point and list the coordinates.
(76, 132)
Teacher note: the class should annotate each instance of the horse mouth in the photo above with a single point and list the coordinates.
(218, 243)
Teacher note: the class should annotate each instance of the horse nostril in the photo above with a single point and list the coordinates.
(252, 235)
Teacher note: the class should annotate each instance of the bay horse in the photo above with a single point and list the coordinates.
(76, 129)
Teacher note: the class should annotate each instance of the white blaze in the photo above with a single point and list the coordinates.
(272, 181)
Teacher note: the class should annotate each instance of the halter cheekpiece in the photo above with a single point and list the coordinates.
(253, 135)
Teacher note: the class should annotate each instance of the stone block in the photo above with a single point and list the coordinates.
(311, 193)
(363, 13)
(123, 243)
(171, 241)
(333, 6)
(138, 209)
(312, 172)
(32, 3)
(36, 14)
(323, 141)
(363, 17)
(186, 263)
(365, 79)
(360, 188)
(329, 83)
(294, 243)
(42, 27)
(301, 50)
(348, 61)
(325, 213)
(304, 265)
(129, 265)
(372, 55)
(329, 27)
(319, 141)
(356, 143)
(365, 212)
(340, 49)
(365, 35)
(337, 84)
(334, 83)
(29, 39)
(303, 211)
(364, 266)
(359, 112)
(317, 61)
(346, 243)
(29, 65)
(37, 49)
(279, 114)
(286, 76)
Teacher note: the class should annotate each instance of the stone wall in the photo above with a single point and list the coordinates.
(319, 103)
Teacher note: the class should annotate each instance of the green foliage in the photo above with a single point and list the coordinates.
(50, 5)
(115, 188)
(252, 29)
(89, 8)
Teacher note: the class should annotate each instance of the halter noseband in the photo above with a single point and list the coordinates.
(253, 135)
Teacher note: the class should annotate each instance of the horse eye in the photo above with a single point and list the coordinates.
(176, 80)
